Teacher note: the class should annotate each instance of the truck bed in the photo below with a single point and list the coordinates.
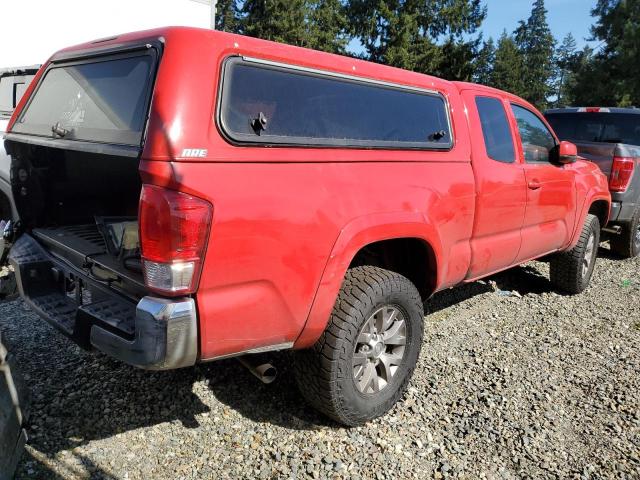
(84, 247)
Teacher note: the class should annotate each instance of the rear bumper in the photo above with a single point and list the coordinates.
(154, 333)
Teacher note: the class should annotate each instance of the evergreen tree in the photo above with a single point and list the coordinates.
(277, 20)
(484, 63)
(409, 33)
(611, 75)
(537, 45)
(318, 24)
(328, 26)
(590, 83)
(564, 59)
(227, 16)
(508, 66)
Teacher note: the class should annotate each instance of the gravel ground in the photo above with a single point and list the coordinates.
(514, 381)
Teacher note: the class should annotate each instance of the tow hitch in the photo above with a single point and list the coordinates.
(8, 287)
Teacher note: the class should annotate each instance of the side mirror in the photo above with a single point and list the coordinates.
(567, 153)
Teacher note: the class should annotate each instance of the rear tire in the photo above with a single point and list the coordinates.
(362, 363)
(627, 243)
(571, 271)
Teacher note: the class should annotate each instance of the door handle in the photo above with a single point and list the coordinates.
(534, 185)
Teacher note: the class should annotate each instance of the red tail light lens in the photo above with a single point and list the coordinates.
(621, 173)
(174, 228)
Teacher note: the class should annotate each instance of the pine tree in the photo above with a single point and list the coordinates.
(610, 77)
(408, 33)
(277, 20)
(508, 66)
(318, 24)
(590, 83)
(227, 16)
(328, 26)
(484, 62)
(537, 45)
(564, 58)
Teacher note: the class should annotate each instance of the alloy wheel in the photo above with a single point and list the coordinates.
(589, 252)
(379, 349)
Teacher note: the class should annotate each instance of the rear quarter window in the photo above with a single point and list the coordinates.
(278, 104)
(498, 139)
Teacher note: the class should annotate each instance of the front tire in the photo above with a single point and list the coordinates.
(627, 243)
(571, 271)
(362, 363)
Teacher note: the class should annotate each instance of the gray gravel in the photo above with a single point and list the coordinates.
(514, 381)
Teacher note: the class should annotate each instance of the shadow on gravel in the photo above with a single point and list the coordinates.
(452, 296)
(278, 403)
(523, 279)
(33, 469)
(609, 254)
(93, 398)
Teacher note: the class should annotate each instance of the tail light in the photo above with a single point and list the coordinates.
(621, 173)
(174, 228)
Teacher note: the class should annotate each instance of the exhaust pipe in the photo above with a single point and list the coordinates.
(263, 371)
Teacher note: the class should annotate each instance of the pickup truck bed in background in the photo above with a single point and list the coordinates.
(13, 83)
(610, 138)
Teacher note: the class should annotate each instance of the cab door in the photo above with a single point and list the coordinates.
(500, 185)
(551, 188)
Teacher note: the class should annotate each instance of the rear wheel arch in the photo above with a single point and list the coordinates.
(411, 257)
(601, 209)
(597, 203)
(361, 236)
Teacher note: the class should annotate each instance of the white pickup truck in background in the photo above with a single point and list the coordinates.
(13, 83)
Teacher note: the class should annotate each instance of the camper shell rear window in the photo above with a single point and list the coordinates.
(101, 99)
(274, 104)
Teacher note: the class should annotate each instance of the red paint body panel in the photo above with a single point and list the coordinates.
(288, 221)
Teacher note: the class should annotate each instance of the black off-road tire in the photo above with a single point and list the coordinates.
(325, 372)
(627, 243)
(567, 269)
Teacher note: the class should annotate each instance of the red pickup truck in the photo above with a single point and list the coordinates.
(188, 195)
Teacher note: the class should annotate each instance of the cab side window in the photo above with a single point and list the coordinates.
(537, 140)
(495, 128)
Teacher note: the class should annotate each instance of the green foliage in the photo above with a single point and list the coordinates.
(610, 76)
(328, 25)
(317, 24)
(537, 46)
(565, 59)
(227, 16)
(426, 36)
(277, 20)
(483, 63)
(508, 66)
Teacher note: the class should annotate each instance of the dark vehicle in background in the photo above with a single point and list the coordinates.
(610, 138)
(13, 83)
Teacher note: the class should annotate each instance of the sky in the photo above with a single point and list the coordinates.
(564, 16)
(53, 25)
